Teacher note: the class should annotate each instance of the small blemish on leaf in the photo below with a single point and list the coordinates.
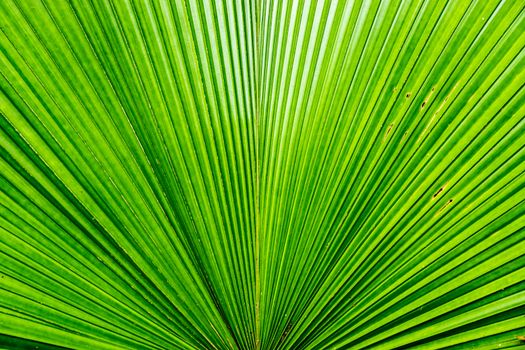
(438, 192)
(446, 205)
(388, 131)
(520, 337)
(408, 94)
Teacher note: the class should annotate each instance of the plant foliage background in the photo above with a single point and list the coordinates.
(262, 174)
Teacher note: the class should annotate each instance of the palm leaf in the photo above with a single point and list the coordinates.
(262, 174)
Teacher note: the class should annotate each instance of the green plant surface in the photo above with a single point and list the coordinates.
(277, 174)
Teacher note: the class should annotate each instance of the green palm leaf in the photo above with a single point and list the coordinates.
(272, 174)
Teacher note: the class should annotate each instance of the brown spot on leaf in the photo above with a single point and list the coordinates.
(446, 205)
(388, 131)
(438, 192)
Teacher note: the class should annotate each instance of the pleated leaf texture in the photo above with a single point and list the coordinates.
(262, 174)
